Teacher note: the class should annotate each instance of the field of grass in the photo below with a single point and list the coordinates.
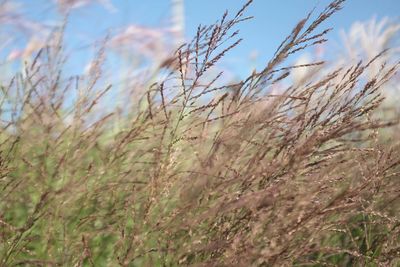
(263, 172)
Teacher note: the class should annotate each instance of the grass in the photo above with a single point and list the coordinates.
(198, 174)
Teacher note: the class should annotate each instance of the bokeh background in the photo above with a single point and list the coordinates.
(142, 32)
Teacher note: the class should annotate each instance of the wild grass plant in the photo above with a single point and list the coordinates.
(193, 173)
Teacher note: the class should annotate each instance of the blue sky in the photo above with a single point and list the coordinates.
(273, 20)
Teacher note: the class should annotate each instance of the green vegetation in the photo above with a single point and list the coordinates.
(194, 173)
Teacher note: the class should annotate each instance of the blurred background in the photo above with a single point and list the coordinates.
(140, 35)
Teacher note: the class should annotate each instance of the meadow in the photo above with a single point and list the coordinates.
(266, 171)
